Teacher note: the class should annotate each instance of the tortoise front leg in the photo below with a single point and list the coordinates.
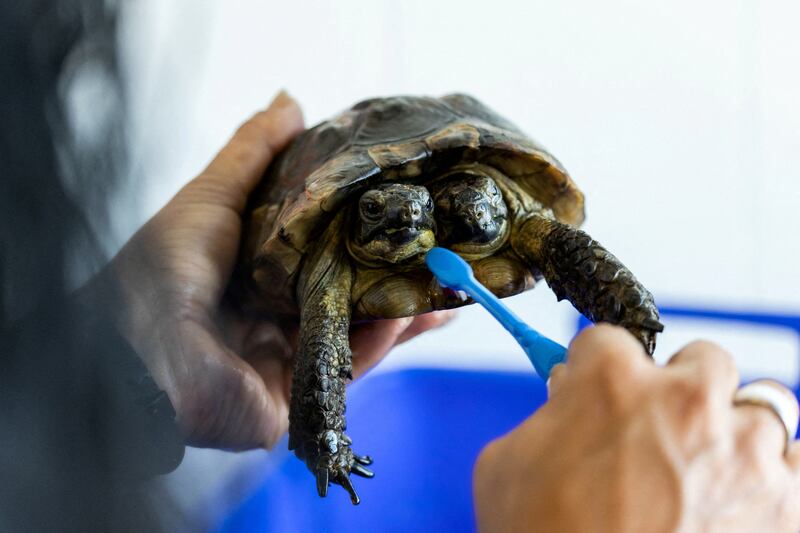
(578, 268)
(322, 366)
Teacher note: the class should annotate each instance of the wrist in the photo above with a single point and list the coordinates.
(129, 297)
(146, 437)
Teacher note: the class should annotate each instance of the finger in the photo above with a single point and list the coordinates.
(240, 165)
(605, 347)
(709, 366)
(224, 401)
(759, 432)
(793, 458)
(259, 338)
(372, 341)
(610, 361)
(557, 376)
(277, 378)
(423, 323)
(768, 413)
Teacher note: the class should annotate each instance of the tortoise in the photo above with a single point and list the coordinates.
(339, 227)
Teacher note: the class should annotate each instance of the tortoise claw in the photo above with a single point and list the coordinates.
(653, 324)
(344, 480)
(322, 481)
(363, 459)
(362, 471)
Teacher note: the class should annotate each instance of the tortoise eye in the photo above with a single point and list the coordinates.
(372, 208)
(429, 204)
(496, 196)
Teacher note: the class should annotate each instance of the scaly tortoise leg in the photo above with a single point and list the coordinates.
(578, 268)
(322, 366)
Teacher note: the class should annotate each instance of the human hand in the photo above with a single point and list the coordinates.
(228, 375)
(624, 445)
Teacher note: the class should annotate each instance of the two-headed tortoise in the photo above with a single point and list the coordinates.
(344, 217)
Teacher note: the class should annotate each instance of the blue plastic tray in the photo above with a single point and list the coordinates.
(424, 429)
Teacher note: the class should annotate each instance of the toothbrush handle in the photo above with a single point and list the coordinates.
(543, 353)
(498, 309)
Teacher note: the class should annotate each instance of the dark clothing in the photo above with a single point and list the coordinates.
(82, 424)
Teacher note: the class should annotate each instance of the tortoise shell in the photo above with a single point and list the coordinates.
(399, 139)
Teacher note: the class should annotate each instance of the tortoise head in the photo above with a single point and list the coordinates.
(471, 215)
(392, 223)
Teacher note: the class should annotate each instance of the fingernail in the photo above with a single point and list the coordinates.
(405, 321)
(282, 99)
(446, 315)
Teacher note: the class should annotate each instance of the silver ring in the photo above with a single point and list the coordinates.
(775, 397)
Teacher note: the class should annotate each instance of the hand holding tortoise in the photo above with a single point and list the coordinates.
(228, 374)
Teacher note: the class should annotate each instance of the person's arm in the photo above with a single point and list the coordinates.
(73, 386)
(623, 445)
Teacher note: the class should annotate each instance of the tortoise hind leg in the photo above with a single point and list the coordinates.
(578, 268)
(322, 366)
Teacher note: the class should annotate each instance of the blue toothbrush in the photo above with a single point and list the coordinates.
(455, 273)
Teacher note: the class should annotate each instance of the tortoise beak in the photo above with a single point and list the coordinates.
(477, 223)
(408, 214)
(401, 235)
(406, 221)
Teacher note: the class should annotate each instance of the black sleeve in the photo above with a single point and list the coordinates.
(142, 438)
(81, 421)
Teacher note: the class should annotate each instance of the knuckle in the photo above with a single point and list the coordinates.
(558, 376)
(752, 446)
(200, 412)
(488, 471)
(604, 345)
(250, 126)
(700, 393)
(714, 356)
(611, 370)
(399, 325)
(618, 386)
(760, 436)
(747, 443)
(694, 391)
(703, 345)
(612, 364)
(764, 423)
(696, 406)
(487, 461)
(213, 189)
(258, 128)
(708, 363)
(608, 359)
(193, 411)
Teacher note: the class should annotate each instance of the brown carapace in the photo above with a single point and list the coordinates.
(339, 227)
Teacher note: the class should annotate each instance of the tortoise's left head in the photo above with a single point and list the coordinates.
(471, 215)
(392, 223)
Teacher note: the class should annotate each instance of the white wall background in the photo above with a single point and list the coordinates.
(679, 120)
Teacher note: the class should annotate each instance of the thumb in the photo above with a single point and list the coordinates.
(221, 401)
(241, 164)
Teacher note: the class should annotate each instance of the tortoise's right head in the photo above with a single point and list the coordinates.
(392, 223)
